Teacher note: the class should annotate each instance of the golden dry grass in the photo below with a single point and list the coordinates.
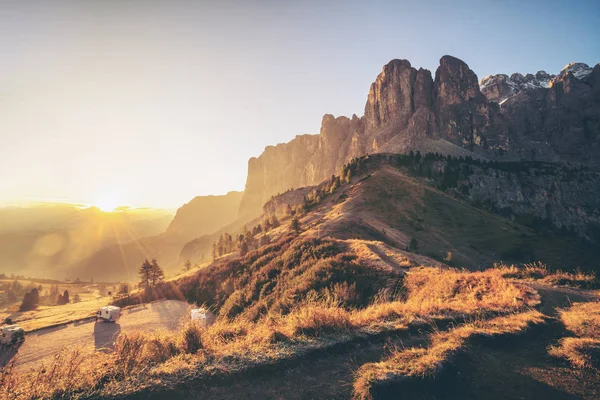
(420, 362)
(580, 352)
(583, 320)
(539, 272)
(319, 320)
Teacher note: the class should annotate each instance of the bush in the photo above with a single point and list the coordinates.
(192, 339)
(30, 300)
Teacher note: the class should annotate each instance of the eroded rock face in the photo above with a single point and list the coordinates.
(390, 100)
(463, 114)
(542, 117)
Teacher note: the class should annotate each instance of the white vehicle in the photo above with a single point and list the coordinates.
(11, 334)
(109, 313)
(203, 317)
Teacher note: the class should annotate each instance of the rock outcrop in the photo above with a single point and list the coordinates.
(542, 117)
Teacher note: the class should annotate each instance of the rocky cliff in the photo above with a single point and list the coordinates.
(542, 117)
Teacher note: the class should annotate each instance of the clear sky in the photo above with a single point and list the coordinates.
(151, 103)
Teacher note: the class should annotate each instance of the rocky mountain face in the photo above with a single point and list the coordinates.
(542, 117)
(500, 87)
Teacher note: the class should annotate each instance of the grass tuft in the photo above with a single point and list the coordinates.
(413, 363)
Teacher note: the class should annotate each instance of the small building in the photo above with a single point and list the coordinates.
(202, 316)
(11, 334)
(109, 313)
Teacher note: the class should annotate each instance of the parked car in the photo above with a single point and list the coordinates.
(108, 314)
(11, 334)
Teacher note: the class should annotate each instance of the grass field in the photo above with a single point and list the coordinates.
(90, 300)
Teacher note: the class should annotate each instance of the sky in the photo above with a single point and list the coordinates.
(151, 103)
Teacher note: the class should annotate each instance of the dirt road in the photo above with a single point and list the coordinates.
(42, 345)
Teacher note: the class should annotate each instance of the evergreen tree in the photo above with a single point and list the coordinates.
(76, 298)
(157, 274)
(414, 245)
(30, 300)
(214, 251)
(66, 297)
(243, 248)
(187, 266)
(145, 273)
(295, 225)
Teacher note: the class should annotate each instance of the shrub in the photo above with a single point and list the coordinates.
(191, 338)
(30, 300)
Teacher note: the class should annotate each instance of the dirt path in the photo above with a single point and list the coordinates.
(42, 345)
(326, 375)
(521, 368)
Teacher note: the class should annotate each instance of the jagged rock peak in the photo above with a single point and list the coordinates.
(455, 82)
(579, 70)
(390, 96)
(501, 87)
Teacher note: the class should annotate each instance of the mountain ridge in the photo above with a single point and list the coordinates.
(408, 109)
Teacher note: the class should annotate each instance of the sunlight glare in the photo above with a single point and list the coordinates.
(108, 204)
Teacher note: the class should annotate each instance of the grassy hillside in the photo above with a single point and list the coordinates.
(385, 202)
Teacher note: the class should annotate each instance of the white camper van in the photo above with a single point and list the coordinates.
(108, 313)
(11, 334)
(203, 317)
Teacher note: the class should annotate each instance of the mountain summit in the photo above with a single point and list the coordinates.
(531, 117)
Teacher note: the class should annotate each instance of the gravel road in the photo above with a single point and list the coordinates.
(42, 345)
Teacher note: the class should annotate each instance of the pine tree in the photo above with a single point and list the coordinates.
(145, 273)
(244, 248)
(157, 274)
(63, 299)
(295, 225)
(187, 266)
(414, 245)
(30, 300)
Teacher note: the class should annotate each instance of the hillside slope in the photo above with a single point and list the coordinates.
(386, 201)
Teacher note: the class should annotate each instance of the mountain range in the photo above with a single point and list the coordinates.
(523, 166)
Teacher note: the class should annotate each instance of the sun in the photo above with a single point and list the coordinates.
(107, 204)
